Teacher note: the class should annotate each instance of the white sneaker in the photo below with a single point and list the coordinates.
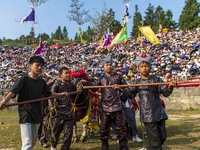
(137, 139)
(114, 136)
(52, 148)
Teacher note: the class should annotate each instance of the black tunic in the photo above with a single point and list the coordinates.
(151, 110)
(29, 89)
(64, 104)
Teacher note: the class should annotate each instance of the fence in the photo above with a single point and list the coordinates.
(184, 98)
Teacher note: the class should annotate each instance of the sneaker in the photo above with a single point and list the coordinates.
(52, 148)
(114, 136)
(143, 149)
(137, 139)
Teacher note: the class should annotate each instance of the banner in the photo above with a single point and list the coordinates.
(81, 36)
(121, 37)
(138, 38)
(149, 34)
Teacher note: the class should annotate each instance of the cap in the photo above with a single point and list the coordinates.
(107, 59)
(143, 58)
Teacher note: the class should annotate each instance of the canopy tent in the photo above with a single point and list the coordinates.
(55, 46)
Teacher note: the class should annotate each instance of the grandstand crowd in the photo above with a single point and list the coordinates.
(177, 58)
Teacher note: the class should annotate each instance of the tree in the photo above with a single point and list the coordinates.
(31, 36)
(37, 2)
(114, 25)
(150, 17)
(77, 37)
(1, 41)
(159, 17)
(137, 21)
(105, 21)
(164, 18)
(58, 34)
(22, 39)
(189, 18)
(32, 32)
(168, 22)
(78, 15)
(43, 37)
(4, 39)
(89, 34)
(65, 33)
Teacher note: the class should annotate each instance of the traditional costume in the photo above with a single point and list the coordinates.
(111, 108)
(152, 113)
(64, 118)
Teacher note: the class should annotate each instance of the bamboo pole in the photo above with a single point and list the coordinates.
(39, 99)
(143, 84)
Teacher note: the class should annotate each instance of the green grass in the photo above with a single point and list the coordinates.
(183, 130)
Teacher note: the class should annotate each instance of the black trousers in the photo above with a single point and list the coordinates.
(66, 126)
(119, 120)
(42, 132)
(156, 134)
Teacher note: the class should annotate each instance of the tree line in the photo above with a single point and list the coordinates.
(103, 22)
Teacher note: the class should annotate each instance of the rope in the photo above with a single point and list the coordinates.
(83, 101)
(51, 112)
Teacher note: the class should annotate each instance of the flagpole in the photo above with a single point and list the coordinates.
(143, 84)
(40, 99)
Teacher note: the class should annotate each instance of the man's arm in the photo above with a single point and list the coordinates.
(6, 99)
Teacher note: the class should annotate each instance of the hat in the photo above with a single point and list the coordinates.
(143, 58)
(107, 59)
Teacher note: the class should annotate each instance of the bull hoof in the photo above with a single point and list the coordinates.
(74, 140)
(83, 138)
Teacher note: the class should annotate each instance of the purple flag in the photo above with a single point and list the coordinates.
(107, 40)
(40, 49)
(29, 17)
(196, 45)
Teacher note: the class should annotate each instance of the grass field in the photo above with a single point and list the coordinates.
(183, 129)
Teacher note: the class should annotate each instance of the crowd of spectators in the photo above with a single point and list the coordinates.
(177, 58)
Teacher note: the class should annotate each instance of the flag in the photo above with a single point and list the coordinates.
(106, 40)
(126, 12)
(149, 34)
(81, 36)
(121, 36)
(30, 16)
(164, 30)
(40, 49)
(138, 39)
